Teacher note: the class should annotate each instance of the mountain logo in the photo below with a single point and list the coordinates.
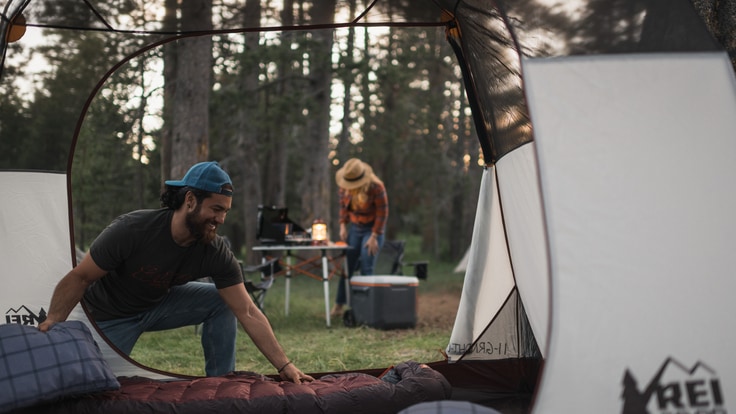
(24, 316)
(675, 389)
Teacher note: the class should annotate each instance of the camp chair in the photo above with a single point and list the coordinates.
(266, 269)
(390, 260)
(258, 290)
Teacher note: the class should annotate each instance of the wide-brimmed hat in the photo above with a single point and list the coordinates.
(206, 176)
(355, 173)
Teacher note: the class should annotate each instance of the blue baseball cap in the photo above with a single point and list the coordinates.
(205, 176)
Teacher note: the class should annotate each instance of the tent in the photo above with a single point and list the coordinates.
(462, 264)
(602, 233)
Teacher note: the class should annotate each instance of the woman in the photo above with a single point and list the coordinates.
(364, 206)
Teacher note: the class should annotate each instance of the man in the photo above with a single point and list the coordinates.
(139, 276)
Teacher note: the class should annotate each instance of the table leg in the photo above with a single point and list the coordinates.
(344, 274)
(326, 284)
(288, 283)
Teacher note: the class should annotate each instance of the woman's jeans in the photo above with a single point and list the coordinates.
(189, 304)
(358, 255)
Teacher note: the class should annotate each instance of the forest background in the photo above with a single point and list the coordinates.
(280, 110)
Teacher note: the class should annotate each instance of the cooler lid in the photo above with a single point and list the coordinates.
(384, 280)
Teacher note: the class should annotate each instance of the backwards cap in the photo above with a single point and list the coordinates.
(205, 176)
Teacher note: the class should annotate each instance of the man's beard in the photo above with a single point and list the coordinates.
(198, 227)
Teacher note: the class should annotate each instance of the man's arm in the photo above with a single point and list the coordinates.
(69, 291)
(259, 330)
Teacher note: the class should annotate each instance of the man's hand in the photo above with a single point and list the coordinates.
(46, 324)
(291, 373)
(259, 330)
(69, 291)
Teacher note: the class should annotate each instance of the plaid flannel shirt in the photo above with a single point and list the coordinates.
(374, 210)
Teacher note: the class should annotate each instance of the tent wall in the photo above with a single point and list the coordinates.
(488, 281)
(636, 154)
(491, 322)
(462, 265)
(36, 251)
(34, 224)
(518, 186)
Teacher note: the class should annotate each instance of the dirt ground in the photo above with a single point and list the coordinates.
(437, 310)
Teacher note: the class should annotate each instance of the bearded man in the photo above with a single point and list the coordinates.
(140, 275)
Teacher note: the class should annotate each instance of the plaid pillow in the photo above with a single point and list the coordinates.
(40, 367)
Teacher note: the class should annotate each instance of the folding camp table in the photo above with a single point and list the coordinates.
(307, 265)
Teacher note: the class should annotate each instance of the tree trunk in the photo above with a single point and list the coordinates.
(316, 180)
(281, 134)
(347, 65)
(250, 192)
(190, 138)
(169, 50)
(343, 142)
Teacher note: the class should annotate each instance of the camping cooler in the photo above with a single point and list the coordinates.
(384, 302)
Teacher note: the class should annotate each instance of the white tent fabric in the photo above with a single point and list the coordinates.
(33, 230)
(495, 257)
(462, 265)
(522, 206)
(488, 278)
(35, 248)
(637, 169)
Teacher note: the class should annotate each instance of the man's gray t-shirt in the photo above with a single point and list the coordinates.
(143, 262)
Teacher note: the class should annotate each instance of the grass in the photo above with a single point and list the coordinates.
(305, 337)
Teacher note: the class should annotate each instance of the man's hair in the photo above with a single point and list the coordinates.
(173, 197)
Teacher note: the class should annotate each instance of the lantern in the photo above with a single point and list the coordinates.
(319, 232)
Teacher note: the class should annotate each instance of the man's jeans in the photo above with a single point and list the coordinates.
(189, 304)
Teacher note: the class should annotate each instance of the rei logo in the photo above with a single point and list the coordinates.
(674, 389)
(24, 316)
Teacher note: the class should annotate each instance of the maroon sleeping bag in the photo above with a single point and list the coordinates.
(251, 393)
